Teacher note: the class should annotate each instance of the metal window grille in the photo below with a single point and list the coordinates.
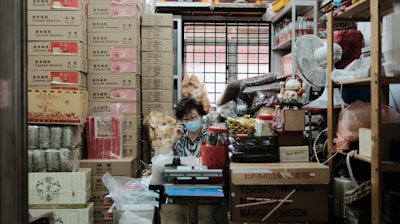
(219, 53)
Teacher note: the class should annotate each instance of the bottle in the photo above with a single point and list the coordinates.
(217, 136)
(264, 124)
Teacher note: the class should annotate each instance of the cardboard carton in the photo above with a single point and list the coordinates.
(117, 25)
(108, 10)
(59, 188)
(46, 48)
(56, 78)
(68, 215)
(158, 45)
(114, 108)
(60, 63)
(165, 96)
(57, 106)
(130, 39)
(157, 32)
(57, 33)
(304, 185)
(157, 70)
(294, 120)
(158, 19)
(114, 53)
(108, 66)
(57, 5)
(113, 80)
(56, 18)
(117, 167)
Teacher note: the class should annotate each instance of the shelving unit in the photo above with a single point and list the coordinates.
(293, 9)
(372, 11)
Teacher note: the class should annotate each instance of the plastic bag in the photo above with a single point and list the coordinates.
(125, 190)
(358, 115)
(193, 87)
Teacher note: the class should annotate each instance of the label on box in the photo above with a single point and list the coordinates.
(114, 94)
(157, 70)
(294, 153)
(56, 5)
(63, 62)
(113, 39)
(114, 108)
(157, 95)
(56, 18)
(113, 80)
(112, 11)
(44, 48)
(112, 67)
(57, 33)
(113, 25)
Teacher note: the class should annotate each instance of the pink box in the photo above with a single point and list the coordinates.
(112, 67)
(112, 11)
(113, 108)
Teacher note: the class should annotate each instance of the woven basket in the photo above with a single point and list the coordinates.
(243, 125)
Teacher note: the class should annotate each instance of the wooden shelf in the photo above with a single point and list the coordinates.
(390, 166)
(360, 10)
(286, 45)
(363, 81)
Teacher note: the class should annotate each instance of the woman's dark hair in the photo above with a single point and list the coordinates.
(186, 105)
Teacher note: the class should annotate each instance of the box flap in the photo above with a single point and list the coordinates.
(279, 173)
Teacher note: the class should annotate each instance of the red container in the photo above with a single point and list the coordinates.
(216, 157)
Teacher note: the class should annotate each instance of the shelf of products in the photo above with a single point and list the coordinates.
(372, 11)
(287, 24)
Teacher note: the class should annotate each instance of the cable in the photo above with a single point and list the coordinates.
(351, 153)
(315, 144)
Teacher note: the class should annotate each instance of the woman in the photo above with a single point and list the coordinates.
(190, 130)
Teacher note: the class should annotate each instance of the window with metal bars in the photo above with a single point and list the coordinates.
(219, 52)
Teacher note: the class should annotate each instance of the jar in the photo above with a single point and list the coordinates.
(264, 124)
(217, 136)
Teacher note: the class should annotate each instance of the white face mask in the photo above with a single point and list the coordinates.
(193, 126)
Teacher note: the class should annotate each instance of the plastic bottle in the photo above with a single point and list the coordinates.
(264, 125)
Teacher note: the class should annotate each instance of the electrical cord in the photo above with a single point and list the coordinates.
(351, 153)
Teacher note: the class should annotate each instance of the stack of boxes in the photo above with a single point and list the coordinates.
(57, 108)
(114, 92)
(157, 68)
(114, 65)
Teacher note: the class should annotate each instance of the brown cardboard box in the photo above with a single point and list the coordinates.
(157, 32)
(307, 203)
(294, 120)
(131, 122)
(114, 94)
(113, 80)
(157, 70)
(57, 5)
(48, 78)
(57, 106)
(147, 107)
(157, 83)
(109, 66)
(159, 45)
(56, 18)
(130, 137)
(166, 58)
(97, 184)
(60, 63)
(157, 19)
(101, 213)
(111, 25)
(47, 48)
(116, 167)
(99, 198)
(108, 10)
(131, 150)
(113, 108)
(291, 138)
(299, 153)
(57, 33)
(113, 39)
(165, 96)
(114, 53)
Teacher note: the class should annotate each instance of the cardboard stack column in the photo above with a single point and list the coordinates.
(114, 107)
(57, 110)
(157, 67)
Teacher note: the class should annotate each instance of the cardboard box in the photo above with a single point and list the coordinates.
(159, 45)
(72, 215)
(113, 39)
(294, 153)
(158, 19)
(165, 96)
(57, 5)
(147, 107)
(57, 33)
(99, 198)
(157, 70)
(131, 122)
(56, 78)
(116, 167)
(59, 188)
(108, 10)
(61, 63)
(101, 213)
(389, 132)
(158, 58)
(291, 138)
(159, 83)
(111, 25)
(114, 94)
(306, 184)
(114, 1)
(56, 18)
(113, 108)
(294, 120)
(157, 32)
(57, 106)
(97, 184)
(46, 48)
(113, 80)
(114, 53)
(98, 67)
(60, 87)
(131, 150)
(131, 136)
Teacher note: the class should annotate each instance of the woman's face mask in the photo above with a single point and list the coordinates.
(193, 126)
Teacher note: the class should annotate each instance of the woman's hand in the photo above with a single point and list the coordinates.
(178, 132)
